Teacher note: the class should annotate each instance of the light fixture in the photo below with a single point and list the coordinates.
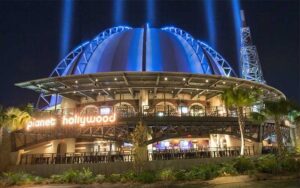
(76, 81)
(197, 89)
(99, 93)
(108, 89)
(160, 114)
(93, 90)
(74, 92)
(184, 109)
(115, 78)
(183, 79)
(166, 78)
(224, 82)
(206, 81)
(105, 110)
(96, 80)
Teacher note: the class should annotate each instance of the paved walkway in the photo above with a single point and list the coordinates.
(221, 182)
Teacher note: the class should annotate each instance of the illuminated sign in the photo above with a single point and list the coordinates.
(72, 121)
(41, 123)
(88, 120)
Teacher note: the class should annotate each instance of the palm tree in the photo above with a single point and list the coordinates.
(139, 138)
(278, 111)
(16, 119)
(3, 118)
(238, 99)
(297, 121)
(294, 117)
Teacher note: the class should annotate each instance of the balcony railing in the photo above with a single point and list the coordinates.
(106, 157)
(157, 111)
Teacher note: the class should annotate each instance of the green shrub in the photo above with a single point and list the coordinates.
(243, 164)
(290, 164)
(146, 177)
(227, 169)
(204, 172)
(128, 177)
(68, 176)
(113, 178)
(192, 174)
(84, 176)
(19, 178)
(167, 175)
(208, 171)
(100, 178)
(267, 164)
(181, 175)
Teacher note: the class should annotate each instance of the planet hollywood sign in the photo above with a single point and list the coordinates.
(76, 120)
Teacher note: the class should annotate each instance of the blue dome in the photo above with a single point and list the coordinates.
(122, 48)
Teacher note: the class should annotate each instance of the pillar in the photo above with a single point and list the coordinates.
(143, 99)
(257, 146)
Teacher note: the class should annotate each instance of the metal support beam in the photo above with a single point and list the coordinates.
(156, 83)
(213, 95)
(177, 93)
(197, 94)
(127, 83)
(88, 95)
(74, 98)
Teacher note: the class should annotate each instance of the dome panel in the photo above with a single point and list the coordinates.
(150, 49)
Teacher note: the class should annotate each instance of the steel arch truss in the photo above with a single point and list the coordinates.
(60, 70)
(86, 50)
(198, 46)
(93, 44)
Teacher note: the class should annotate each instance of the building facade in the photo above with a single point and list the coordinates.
(162, 77)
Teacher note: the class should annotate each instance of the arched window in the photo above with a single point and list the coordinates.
(197, 109)
(90, 110)
(124, 109)
(165, 109)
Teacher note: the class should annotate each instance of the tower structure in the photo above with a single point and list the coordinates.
(251, 67)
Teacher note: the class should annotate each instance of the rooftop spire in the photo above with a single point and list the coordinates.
(251, 67)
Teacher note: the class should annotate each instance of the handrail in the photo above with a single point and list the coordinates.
(157, 111)
(117, 156)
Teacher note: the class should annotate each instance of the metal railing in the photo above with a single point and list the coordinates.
(107, 157)
(75, 158)
(211, 152)
(155, 111)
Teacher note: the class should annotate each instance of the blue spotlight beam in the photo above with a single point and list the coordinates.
(66, 25)
(118, 12)
(150, 12)
(210, 21)
(235, 4)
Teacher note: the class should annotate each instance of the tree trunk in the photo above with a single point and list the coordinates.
(242, 128)
(297, 138)
(1, 135)
(279, 137)
(140, 158)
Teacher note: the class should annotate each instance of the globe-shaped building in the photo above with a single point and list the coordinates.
(161, 77)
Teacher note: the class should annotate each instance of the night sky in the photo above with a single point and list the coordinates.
(30, 33)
